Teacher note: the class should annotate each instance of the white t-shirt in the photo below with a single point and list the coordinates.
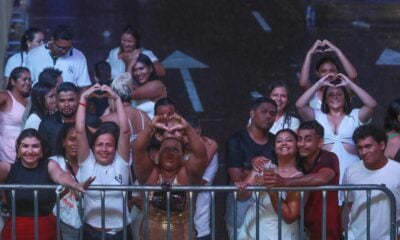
(72, 64)
(33, 121)
(203, 202)
(278, 125)
(116, 173)
(380, 205)
(13, 62)
(118, 66)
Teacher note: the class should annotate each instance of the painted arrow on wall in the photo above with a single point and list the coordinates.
(183, 62)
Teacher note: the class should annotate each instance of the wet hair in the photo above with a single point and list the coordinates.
(38, 99)
(287, 117)
(327, 59)
(66, 87)
(120, 86)
(28, 36)
(299, 163)
(164, 102)
(260, 100)
(313, 125)
(102, 70)
(347, 101)
(63, 32)
(62, 135)
(14, 75)
(370, 130)
(106, 128)
(28, 133)
(49, 76)
(391, 121)
(147, 62)
(131, 31)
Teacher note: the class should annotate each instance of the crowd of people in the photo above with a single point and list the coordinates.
(57, 126)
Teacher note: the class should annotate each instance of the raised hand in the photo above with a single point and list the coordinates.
(330, 46)
(259, 162)
(316, 47)
(344, 80)
(90, 91)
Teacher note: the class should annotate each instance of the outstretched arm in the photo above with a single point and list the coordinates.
(80, 123)
(369, 102)
(151, 90)
(304, 80)
(348, 67)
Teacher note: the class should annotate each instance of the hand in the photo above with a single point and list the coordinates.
(259, 162)
(242, 185)
(83, 186)
(109, 92)
(326, 81)
(330, 46)
(90, 91)
(316, 47)
(272, 179)
(344, 80)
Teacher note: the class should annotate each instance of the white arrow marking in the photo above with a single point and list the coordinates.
(389, 57)
(263, 23)
(181, 61)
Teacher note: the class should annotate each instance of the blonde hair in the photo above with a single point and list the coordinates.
(122, 85)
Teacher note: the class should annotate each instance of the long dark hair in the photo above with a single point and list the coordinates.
(287, 116)
(299, 163)
(38, 99)
(347, 102)
(62, 135)
(391, 121)
(14, 75)
(146, 61)
(28, 133)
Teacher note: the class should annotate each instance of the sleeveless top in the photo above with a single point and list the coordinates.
(24, 200)
(10, 128)
(134, 133)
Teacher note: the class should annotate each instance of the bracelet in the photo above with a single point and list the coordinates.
(82, 104)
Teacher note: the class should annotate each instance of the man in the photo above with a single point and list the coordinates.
(374, 168)
(59, 53)
(242, 148)
(321, 168)
(67, 104)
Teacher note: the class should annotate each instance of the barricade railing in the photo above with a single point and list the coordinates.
(212, 189)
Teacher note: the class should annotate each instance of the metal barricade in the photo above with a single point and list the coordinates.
(212, 189)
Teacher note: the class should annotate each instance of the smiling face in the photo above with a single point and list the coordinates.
(37, 40)
(371, 152)
(280, 96)
(104, 149)
(23, 84)
(30, 151)
(170, 154)
(335, 98)
(70, 144)
(285, 144)
(128, 42)
(50, 101)
(308, 142)
(142, 72)
(326, 68)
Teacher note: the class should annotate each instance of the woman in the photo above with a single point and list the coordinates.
(149, 88)
(32, 38)
(279, 92)
(32, 166)
(392, 127)
(171, 169)
(285, 148)
(13, 102)
(324, 66)
(67, 159)
(107, 158)
(128, 52)
(43, 103)
(336, 116)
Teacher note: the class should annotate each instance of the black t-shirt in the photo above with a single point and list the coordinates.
(50, 127)
(24, 199)
(240, 149)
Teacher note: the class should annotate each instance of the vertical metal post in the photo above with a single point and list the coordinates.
(13, 216)
(235, 215)
(213, 215)
(368, 214)
(36, 213)
(279, 215)
(302, 237)
(58, 215)
(168, 215)
(346, 215)
(323, 215)
(190, 215)
(124, 213)
(146, 215)
(103, 215)
(257, 195)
